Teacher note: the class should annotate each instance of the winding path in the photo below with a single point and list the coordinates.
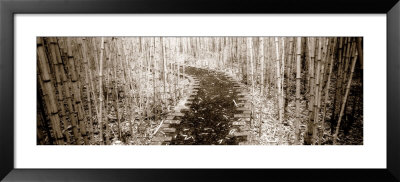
(208, 120)
(217, 115)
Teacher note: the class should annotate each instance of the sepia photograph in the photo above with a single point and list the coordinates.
(199, 90)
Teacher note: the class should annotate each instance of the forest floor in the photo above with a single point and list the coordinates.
(136, 130)
(208, 120)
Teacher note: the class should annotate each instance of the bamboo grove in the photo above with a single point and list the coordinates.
(117, 90)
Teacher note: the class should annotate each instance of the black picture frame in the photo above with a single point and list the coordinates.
(9, 8)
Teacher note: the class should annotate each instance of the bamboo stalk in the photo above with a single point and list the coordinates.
(115, 94)
(279, 82)
(41, 122)
(100, 115)
(163, 45)
(129, 89)
(335, 136)
(341, 77)
(107, 53)
(47, 86)
(76, 93)
(250, 51)
(337, 90)
(261, 55)
(327, 87)
(60, 78)
(152, 53)
(347, 61)
(68, 96)
(310, 126)
(282, 76)
(360, 51)
(298, 80)
(317, 92)
(88, 88)
(92, 87)
(289, 74)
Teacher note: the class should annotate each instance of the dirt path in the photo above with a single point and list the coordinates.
(209, 118)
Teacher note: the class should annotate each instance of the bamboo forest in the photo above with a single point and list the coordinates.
(199, 91)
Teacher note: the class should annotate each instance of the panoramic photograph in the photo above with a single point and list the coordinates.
(199, 91)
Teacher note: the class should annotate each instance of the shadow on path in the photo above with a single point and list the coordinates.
(208, 120)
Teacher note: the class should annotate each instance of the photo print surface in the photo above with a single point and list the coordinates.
(199, 90)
